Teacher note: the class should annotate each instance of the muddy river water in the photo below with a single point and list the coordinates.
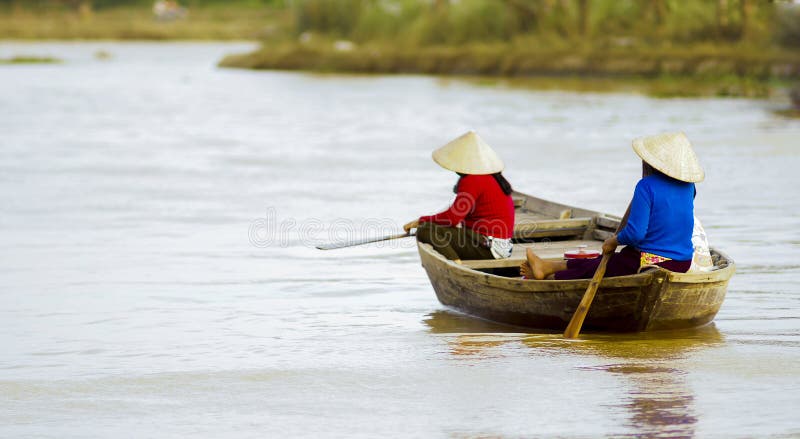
(158, 276)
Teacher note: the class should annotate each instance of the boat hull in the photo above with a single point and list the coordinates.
(654, 300)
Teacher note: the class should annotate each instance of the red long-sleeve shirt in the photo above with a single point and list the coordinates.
(481, 205)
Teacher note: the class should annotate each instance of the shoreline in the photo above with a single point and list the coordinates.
(123, 41)
(658, 86)
(235, 22)
(676, 72)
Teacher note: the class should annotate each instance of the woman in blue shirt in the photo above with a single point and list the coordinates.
(658, 226)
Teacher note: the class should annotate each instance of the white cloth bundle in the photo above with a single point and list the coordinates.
(701, 260)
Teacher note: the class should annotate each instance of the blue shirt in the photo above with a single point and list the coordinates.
(662, 218)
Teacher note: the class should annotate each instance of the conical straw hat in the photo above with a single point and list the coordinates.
(672, 154)
(468, 154)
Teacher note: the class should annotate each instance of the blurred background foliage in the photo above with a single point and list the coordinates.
(652, 22)
(106, 4)
(727, 47)
(449, 22)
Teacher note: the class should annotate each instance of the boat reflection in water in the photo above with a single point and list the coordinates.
(658, 400)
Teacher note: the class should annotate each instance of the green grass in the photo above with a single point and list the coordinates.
(664, 48)
(687, 71)
(790, 113)
(213, 23)
(27, 59)
(660, 86)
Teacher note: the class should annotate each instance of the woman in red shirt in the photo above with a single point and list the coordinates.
(480, 222)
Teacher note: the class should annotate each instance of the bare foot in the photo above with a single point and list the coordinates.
(538, 266)
(525, 271)
(458, 261)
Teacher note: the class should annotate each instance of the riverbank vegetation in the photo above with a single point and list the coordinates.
(663, 47)
(29, 59)
(212, 20)
(698, 70)
(681, 47)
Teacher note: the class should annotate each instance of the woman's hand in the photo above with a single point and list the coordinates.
(610, 244)
(412, 225)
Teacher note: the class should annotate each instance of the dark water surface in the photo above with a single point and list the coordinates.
(157, 280)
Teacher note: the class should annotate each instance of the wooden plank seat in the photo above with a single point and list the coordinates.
(607, 221)
(546, 250)
(526, 228)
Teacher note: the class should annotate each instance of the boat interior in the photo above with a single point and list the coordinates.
(550, 229)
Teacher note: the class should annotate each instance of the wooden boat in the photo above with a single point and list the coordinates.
(651, 300)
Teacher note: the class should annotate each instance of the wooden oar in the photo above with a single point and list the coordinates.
(355, 242)
(574, 327)
(575, 324)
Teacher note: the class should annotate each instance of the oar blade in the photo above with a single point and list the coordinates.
(332, 245)
(576, 323)
(362, 241)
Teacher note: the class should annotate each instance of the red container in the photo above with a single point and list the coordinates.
(581, 253)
